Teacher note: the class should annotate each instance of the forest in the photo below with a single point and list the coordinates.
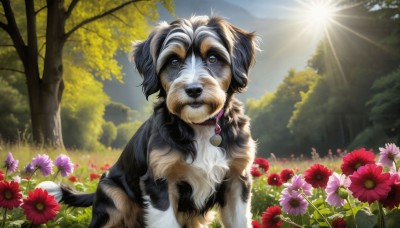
(53, 63)
(348, 96)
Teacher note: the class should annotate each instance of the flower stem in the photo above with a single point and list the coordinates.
(381, 216)
(316, 209)
(29, 181)
(395, 165)
(55, 176)
(352, 212)
(287, 220)
(4, 218)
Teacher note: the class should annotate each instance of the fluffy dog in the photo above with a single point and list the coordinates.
(195, 151)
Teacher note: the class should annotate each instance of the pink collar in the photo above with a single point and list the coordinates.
(214, 120)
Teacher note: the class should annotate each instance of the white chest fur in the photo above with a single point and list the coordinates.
(210, 163)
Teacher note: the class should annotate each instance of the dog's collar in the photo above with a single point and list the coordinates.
(216, 139)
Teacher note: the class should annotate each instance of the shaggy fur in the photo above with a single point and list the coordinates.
(169, 174)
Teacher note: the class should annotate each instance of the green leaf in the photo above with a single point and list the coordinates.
(393, 218)
(365, 219)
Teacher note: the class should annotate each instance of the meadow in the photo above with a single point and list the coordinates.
(309, 191)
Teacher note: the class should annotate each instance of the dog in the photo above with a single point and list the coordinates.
(195, 151)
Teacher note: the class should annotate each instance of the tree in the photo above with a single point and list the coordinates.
(270, 115)
(43, 33)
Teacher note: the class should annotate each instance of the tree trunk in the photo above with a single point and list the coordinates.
(45, 93)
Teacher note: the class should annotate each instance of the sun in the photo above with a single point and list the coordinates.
(318, 13)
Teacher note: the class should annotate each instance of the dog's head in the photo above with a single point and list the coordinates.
(195, 64)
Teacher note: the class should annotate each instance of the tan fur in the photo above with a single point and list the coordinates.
(126, 211)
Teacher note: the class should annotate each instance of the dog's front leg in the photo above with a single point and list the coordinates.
(156, 218)
(235, 213)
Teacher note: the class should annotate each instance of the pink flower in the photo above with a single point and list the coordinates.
(369, 184)
(297, 183)
(336, 189)
(293, 203)
(388, 154)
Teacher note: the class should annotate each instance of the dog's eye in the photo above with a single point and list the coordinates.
(212, 59)
(175, 62)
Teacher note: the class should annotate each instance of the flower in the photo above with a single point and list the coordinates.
(40, 207)
(339, 222)
(262, 163)
(94, 176)
(255, 224)
(64, 165)
(393, 198)
(255, 172)
(72, 178)
(29, 168)
(317, 175)
(356, 159)
(10, 195)
(1, 175)
(388, 154)
(286, 174)
(274, 179)
(293, 202)
(11, 163)
(297, 184)
(43, 163)
(368, 183)
(105, 167)
(271, 217)
(336, 189)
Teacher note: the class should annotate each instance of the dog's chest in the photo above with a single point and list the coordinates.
(209, 168)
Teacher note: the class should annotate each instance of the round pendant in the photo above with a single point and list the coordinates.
(216, 140)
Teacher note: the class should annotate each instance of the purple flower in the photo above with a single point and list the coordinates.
(293, 202)
(337, 189)
(11, 163)
(29, 168)
(388, 154)
(64, 165)
(298, 183)
(43, 163)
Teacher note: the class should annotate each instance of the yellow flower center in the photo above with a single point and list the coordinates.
(369, 184)
(40, 206)
(8, 194)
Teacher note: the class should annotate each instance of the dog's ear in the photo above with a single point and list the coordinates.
(243, 57)
(144, 54)
(242, 46)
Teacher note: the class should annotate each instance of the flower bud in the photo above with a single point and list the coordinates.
(342, 192)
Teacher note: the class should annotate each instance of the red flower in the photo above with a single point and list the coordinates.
(10, 195)
(255, 172)
(271, 217)
(368, 183)
(393, 198)
(274, 179)
(339, 222)
(72, 178)
(317, 175)
(40, 207)
(286, 174)
(356, 159)
(255, 224)
(105, 167)
(1, 175)
(94, 176)
(262, 163)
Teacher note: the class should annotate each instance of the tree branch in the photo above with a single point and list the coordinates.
(119, 19)
(38, 11)
(70, 8)
(4, 26)
(12, 29)
(13, 70)
(94, 18)
(87, 29)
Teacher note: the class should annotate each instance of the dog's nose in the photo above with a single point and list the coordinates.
(193, 90)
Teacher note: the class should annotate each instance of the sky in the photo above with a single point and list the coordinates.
(286, 43)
